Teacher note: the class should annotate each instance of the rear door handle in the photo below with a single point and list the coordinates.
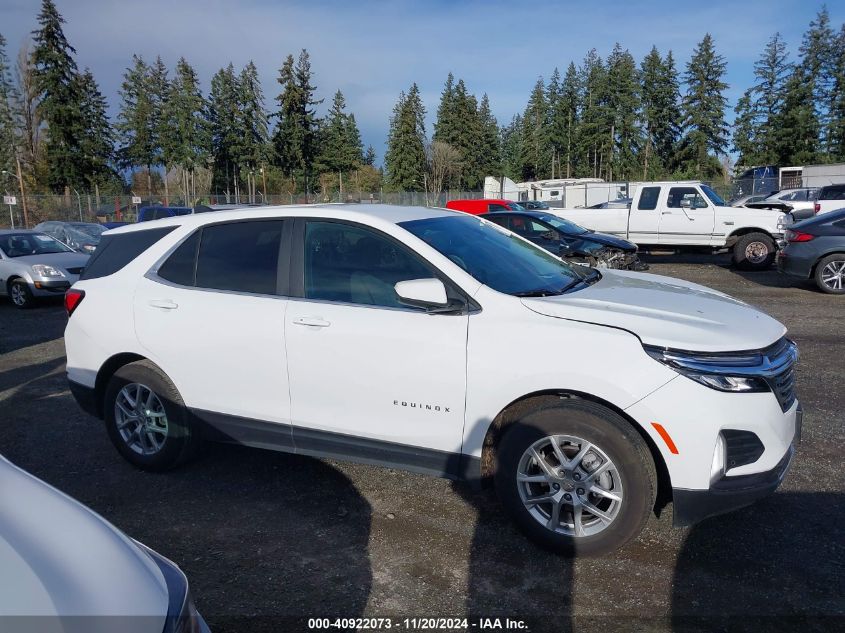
(163, 304)
(312, 322)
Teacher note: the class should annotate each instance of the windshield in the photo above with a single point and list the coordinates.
(21, 244)
(564, 226)
(91, 230)
(496, 257)
(515, 206)
(715, 198)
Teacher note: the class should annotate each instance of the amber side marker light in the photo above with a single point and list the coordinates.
(666, 437)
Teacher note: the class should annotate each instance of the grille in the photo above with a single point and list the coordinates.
(782, 356)
(75, 271)
(784, 387)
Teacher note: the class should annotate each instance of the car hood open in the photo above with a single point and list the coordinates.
(59, 558)
(666, 312)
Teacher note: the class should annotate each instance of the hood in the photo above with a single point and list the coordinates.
(666, 312)
(59, 558)
(57, 260)
(589, 242)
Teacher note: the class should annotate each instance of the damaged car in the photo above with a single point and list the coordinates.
(571, 241)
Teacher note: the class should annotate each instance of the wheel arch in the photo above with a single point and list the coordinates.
(104, 375)
(734, 236)
(836, 251)
(540, 399)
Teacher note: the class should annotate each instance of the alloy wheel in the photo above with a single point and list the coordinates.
(17, 294)
(833, 275)
(140, 419)
(569, 485)
(756, 252)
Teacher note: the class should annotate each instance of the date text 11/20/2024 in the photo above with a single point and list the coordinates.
(418, 624)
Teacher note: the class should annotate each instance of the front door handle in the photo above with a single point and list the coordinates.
(312, 322)
(163, 304)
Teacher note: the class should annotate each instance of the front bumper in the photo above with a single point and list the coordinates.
(728, 493)
(42, 287)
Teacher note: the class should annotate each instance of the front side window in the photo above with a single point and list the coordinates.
(715, 198)
(22, 244)
(677, 194)
(240, 256)
(497, 258)
(648, 199)
(352, 264)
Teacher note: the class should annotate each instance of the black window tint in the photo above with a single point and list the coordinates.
(648, 199)
(241, 256)
(179, 267)
(116, 251)
(355, 265)
(501, 220)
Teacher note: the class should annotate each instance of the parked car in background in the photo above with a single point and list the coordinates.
(743, 200)
(830, 198)
(477, 207)
(534, 205)
(33, 264)
(145, 214)
(65, 568)
(82, 237)
(798, 203)
(815, 249)
(570, 241)
(438, 336)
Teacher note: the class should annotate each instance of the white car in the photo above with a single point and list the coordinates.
(65, 569)
(438, 342)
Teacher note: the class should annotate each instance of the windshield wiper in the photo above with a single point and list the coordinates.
(550, 292)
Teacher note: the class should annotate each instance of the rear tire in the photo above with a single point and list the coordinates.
(21, 295)
(754, 251)
(146, 419)
(588, 435)
(830, 274)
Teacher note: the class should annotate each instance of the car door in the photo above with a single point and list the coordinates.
(687, 217)
(212, 315)
(644, 216)
(369, 377)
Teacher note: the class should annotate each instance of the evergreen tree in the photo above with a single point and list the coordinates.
(535, 148)
(158, 85)
(468, 136)
(836, 136)
(341, 148)
(592, 137)
(224, 132)
(97, 141)
(818, 62)
(488, 150)
(295, 140)
(771, 71)
(746, 131)
(8, 115)
(405, 160)
(370, 156)
(563, 124)
(661, 113)
(511, 143)
(60, 100)
(796, 127)
(446, 127)
(136, 120)
(624, 136)
(704, 112)
(251, 124)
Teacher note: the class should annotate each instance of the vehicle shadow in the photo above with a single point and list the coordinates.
(774, 279)
(44, 322)
(773, 566)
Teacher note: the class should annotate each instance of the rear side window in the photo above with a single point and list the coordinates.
(833, 193)
(240, 256)
(180, 266)
(116, 251)
(648, 199)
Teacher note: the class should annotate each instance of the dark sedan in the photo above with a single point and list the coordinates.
(569, 240)
(815, 249)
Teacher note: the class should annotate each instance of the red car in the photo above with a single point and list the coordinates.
(477, 207)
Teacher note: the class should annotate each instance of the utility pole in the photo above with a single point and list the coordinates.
(23, 194)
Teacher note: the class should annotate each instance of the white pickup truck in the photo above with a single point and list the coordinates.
(683, 215)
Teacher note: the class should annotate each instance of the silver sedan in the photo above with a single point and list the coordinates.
(33, 264)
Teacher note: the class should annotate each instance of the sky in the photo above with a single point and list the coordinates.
(373, 50)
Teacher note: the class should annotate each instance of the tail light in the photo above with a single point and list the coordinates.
(798, 236)
(73, 298)
(816, 207)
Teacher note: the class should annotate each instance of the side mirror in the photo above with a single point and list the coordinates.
(565, 251)
(422, 293)
(686, 203)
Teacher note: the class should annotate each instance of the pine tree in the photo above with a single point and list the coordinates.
(341, 148)
(488, 151)
(704, 112)
(8, 114)
(592, 137)
(97, 141)
(223, 120)
(405, 160)
(661, 113)
(818, 61)
(136, 120)
(536, 150)
(60, 100)
(771, 71)
(511, 144)
(370, 156)
(625, 137)
(796, 127)
(746, 131)
(446, 127)
(253, 140)
(564, 122)
(836, 136)
(468, 136)
(158, 86)
(186, 142)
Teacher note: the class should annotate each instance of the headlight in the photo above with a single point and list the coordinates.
(43, 270)
(737, 373)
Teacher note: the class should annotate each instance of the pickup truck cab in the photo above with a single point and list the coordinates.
(438, 342)
(684, 215)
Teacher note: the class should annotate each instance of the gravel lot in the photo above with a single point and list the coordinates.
(269, 539)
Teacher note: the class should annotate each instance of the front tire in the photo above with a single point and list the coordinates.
(21, 295)
(754, 251)
(576, 478)
(146, 419)
(830, 274)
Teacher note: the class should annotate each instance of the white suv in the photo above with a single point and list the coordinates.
(438, 342)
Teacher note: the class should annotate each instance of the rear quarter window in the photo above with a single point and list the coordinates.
(116, 251)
